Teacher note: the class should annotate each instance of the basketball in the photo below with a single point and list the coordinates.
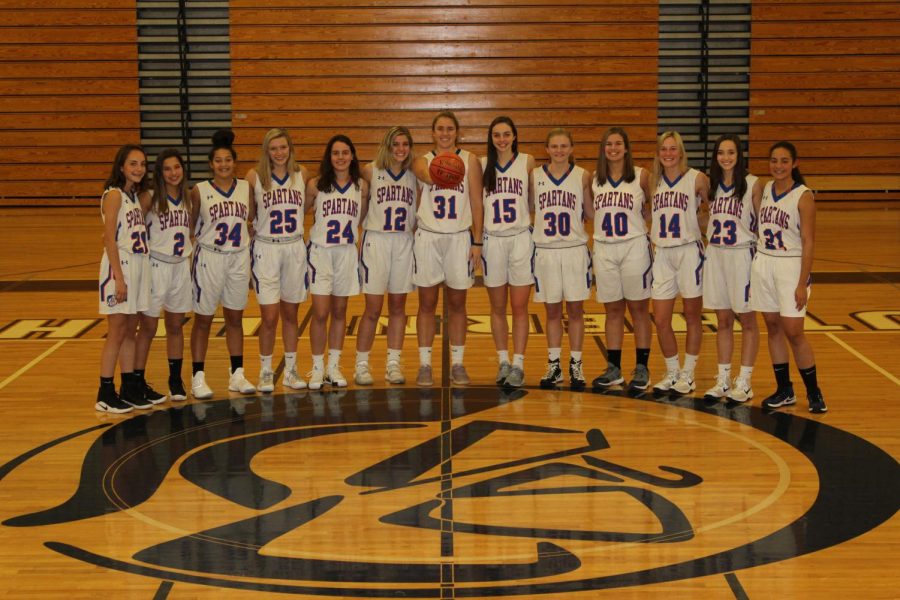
(447, 170)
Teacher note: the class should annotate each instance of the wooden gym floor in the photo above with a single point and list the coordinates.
(448, 492)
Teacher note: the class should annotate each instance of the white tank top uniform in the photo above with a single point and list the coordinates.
(675, 231)
(169, 234)
(446, 210)
(333, 259)
(386, 250)
(731, 234)
(278, 261)
(443, 239)
(279, 210)
(131, 241)
(777, 266)
(622, 256)
(562, 263)
(508, 246)
(221, 261)
(222, 224)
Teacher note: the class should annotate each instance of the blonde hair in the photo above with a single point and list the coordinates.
(383, 156)
(264, 166)
(562, 131)
(657, 173)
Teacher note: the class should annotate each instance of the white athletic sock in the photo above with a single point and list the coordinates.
(690, 362)
(503, 356)
(425, 356)
(746, 373)
(456, 354)
(334, 358)
(553, 353)
(265, 362)
(290, 361)
(519, 360)
(393, 355)
(724, 370)
(362, 357)
(672, 363)
(318, 361)
(576, 355)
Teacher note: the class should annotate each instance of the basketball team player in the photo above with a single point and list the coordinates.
(562, 262)
(222, 208)
(278, 253)
(338, 196)
(508, 245)
(169, 234)
(780, 279)
(731, 236)
(679, 192)
(124, 278)
(386, 251)
(623, 258)
(444, 248)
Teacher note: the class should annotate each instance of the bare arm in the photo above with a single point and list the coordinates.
(420, 170)
(253, 180)
(364, 199)
(476, 203)
(807, 208)
(589, 199)
(311, 192)
(111, 203)
(701, 189)
(195, 208)
(645, 185)
(756, 195)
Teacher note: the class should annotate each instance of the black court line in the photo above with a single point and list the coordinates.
(447, 581)
(736, 588)
(163, 592)
(445, 341)
(90, 285)
(599, 341)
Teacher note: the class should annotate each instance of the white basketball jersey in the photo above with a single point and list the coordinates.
(279, 211)
(779, 221)
(170, 232)
(732, 221)
(506, 208)
(222, 225)
(337, 216)
(559, 208)
(131, 233)
(617, 209)
(675, 205)
(446, 210)
(392, 202)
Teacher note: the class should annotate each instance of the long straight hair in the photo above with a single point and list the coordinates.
(160, 200)
(795, 172)
(264, 166)
(562, 131)
(327, 176)
(657, 166)
(602, 171)
(384, 154)
(490, 168)
(116, 178)
(738, 178)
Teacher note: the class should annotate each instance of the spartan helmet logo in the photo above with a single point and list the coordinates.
(452, 465)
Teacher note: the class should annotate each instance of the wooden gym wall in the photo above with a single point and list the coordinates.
(826, 75)
(68, 95)
(358, 67)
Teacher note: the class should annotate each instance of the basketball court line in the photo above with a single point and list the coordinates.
(862, 357)
(39, 358)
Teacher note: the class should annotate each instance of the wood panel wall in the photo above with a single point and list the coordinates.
(358, 67)
(68, 94)
(826, 75)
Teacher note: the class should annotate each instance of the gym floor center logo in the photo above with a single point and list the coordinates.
(379, 493)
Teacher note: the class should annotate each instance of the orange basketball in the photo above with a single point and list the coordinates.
(447, 170)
